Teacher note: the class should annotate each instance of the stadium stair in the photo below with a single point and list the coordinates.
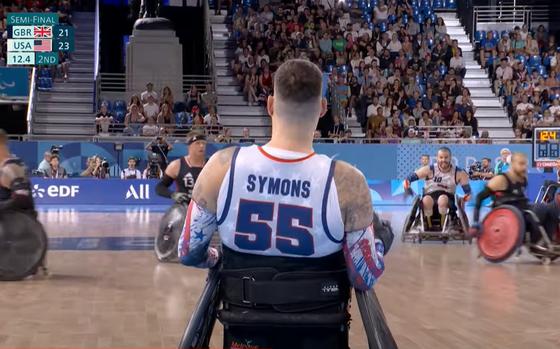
(67, 108)
(232, 106)
(489, 111)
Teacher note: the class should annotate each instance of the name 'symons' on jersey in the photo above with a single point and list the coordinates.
(275, 206)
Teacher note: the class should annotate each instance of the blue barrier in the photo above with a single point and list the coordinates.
(142, 192)
(376, 161)
(14, 81)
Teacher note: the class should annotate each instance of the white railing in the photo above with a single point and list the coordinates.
(96, 44)
(31, 101)
(116, 82)
(209, 44)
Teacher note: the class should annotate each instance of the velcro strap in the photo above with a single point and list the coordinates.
(278, 319)
(285, 288)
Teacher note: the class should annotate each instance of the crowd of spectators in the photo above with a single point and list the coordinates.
(524, 66)
(155, 114)
(391, 65)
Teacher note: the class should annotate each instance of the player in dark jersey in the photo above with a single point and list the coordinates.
(23, 240)
(509, 189)
(184, 171)
(15, 188)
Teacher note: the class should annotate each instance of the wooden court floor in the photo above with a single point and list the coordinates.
(433, 295)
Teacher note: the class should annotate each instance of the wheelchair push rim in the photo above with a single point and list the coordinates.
(502, 233)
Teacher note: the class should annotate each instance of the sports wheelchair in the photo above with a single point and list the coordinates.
(203, 319)
(23, 246)
(506, 228)
(454, 227)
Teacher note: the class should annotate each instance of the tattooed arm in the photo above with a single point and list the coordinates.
(201, 223)
(362, 251)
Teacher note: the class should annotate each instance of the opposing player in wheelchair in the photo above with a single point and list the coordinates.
(448, 221)
(513, 222)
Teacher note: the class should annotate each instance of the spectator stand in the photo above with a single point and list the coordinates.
(523, 65)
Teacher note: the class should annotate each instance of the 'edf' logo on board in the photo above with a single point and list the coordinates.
(143, 192)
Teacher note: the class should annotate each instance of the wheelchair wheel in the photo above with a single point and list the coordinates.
(23, 246)
(167, 239)
(502, 233)
(410, 219)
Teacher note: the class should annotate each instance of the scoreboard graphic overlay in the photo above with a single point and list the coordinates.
(546, 146)
(37, 38)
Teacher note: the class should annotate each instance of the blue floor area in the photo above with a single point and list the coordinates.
(113, 243)
(103, 208)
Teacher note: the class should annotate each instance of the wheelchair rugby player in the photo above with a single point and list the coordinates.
(23, 241)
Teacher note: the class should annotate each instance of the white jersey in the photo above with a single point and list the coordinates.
(274, 202)
(441, 181)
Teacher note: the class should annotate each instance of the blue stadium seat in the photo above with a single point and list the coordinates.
(179, 107)
(452, 4)
(119, 105)
(478, 35)
(438, 4)
(405, 18)
(119, 116)
(535, 60)
(546, 61)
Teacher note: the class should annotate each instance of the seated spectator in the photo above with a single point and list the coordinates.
(150, 129)
(225, 137)
(149, 92)
(151, 109)
(45, 164)
(458, 64)
(131, 172)
(133, 121)
(165, 118)
(192, 98)
(197, 119)
(246, 137)
(214, 127)
(166, 97)
(471, 121)
(55, 170)
(211, 114)
(209, 98)
(135, 100)
(103, 119)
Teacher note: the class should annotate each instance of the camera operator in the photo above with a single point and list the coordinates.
(481, 170)
(185, 170)
(55, 170)
(153, 171)
(101, 170)
(131, 172)
(161, 147)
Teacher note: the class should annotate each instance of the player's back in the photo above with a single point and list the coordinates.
(279, 204)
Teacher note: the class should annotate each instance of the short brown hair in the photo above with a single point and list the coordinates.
(298, 81)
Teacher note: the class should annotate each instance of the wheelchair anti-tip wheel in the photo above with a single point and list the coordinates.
(502, 233)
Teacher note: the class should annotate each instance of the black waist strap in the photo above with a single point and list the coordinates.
(265, 286)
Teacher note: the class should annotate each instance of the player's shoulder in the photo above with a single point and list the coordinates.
(346, 175)
(222, 157)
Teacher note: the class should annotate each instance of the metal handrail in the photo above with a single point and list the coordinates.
(372, 141)
(31, 101)
(96, 43)
(209, 44)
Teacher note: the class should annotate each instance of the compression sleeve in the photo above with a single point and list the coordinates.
(413, 177)
(162, 188)
(194, 244)
(485, 193)
(364, 258)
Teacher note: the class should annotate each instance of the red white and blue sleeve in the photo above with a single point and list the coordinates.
(194, 244)
(364, 258)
